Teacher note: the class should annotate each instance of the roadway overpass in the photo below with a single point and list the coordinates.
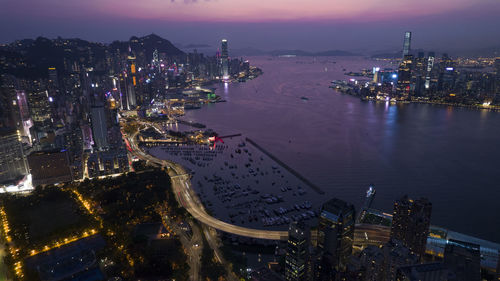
(187, 197)
(181, 185)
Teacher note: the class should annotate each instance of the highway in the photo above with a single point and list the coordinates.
(181, 185)
(188, 198)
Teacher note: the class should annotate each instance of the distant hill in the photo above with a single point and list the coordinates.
(41, 53)
(147, 45)
(312, 54)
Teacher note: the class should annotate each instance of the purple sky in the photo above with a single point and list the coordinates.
(266, 24)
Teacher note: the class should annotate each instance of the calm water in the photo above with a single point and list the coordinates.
(342, 144)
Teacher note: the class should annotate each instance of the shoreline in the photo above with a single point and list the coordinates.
(430, 102)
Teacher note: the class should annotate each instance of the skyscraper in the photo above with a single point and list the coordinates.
(430, 66)
(13, 165)
(407, 44)
(404, 75)
(336, 233)
(132, 70)
(418, 74)
(99, 127)
(39, 105)
(410, 223)
(224, 59)
(297, 252)
(463, 259)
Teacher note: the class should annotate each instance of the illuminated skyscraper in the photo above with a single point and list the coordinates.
(39, 104)
(132, 70)
(430, 66)
(297, 252)
(224, 59)
(131, 100)
(53, 75)
(156, 60)
(407, 44)
(404, 75)
(410, 223)
(335, 235)
(418, 74)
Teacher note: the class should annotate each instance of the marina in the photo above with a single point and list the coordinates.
(243, 185)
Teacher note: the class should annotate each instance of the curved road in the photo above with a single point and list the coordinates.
(190, 201)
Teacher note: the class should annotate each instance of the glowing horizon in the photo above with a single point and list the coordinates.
(243, 10)
(309, 24)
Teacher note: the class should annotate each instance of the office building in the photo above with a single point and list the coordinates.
(296, 259)
(463, 260)
(40, 107)
(13, 165)
(424, 272)
(430, 66)
(410, 223)
(396, 255)
(99, 127)
(371, 262)
(405, 75)
(335, 234)
(498, 265)
(224, 59)
(407, 44)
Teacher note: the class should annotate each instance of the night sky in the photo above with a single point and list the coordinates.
(312, 25)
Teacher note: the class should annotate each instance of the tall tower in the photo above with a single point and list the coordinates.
(224, 59)
(407, 44)
(404, 75)
(336, 233)
(156, 60)
(132, 70)
(430, 66)
(297, 252)
(410, 223)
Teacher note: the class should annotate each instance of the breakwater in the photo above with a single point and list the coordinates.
(286, 167)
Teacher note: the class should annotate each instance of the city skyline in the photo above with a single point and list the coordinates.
(234, 140)
(441, 25)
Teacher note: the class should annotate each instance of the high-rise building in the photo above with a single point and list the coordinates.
(430, 65)
(336, 233)
(372, 263)
(424, 272)
(404, 75)
(53, 75)
(498, 266)
(13, 165)
(131, 99)
(447, 73)
(463, 259)
(224, 59)
(395, 256)
(410, 223)
(39, 104)
(132, 70)
(418, 74)
(407, 44)
(99, 126)
(297, 257)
